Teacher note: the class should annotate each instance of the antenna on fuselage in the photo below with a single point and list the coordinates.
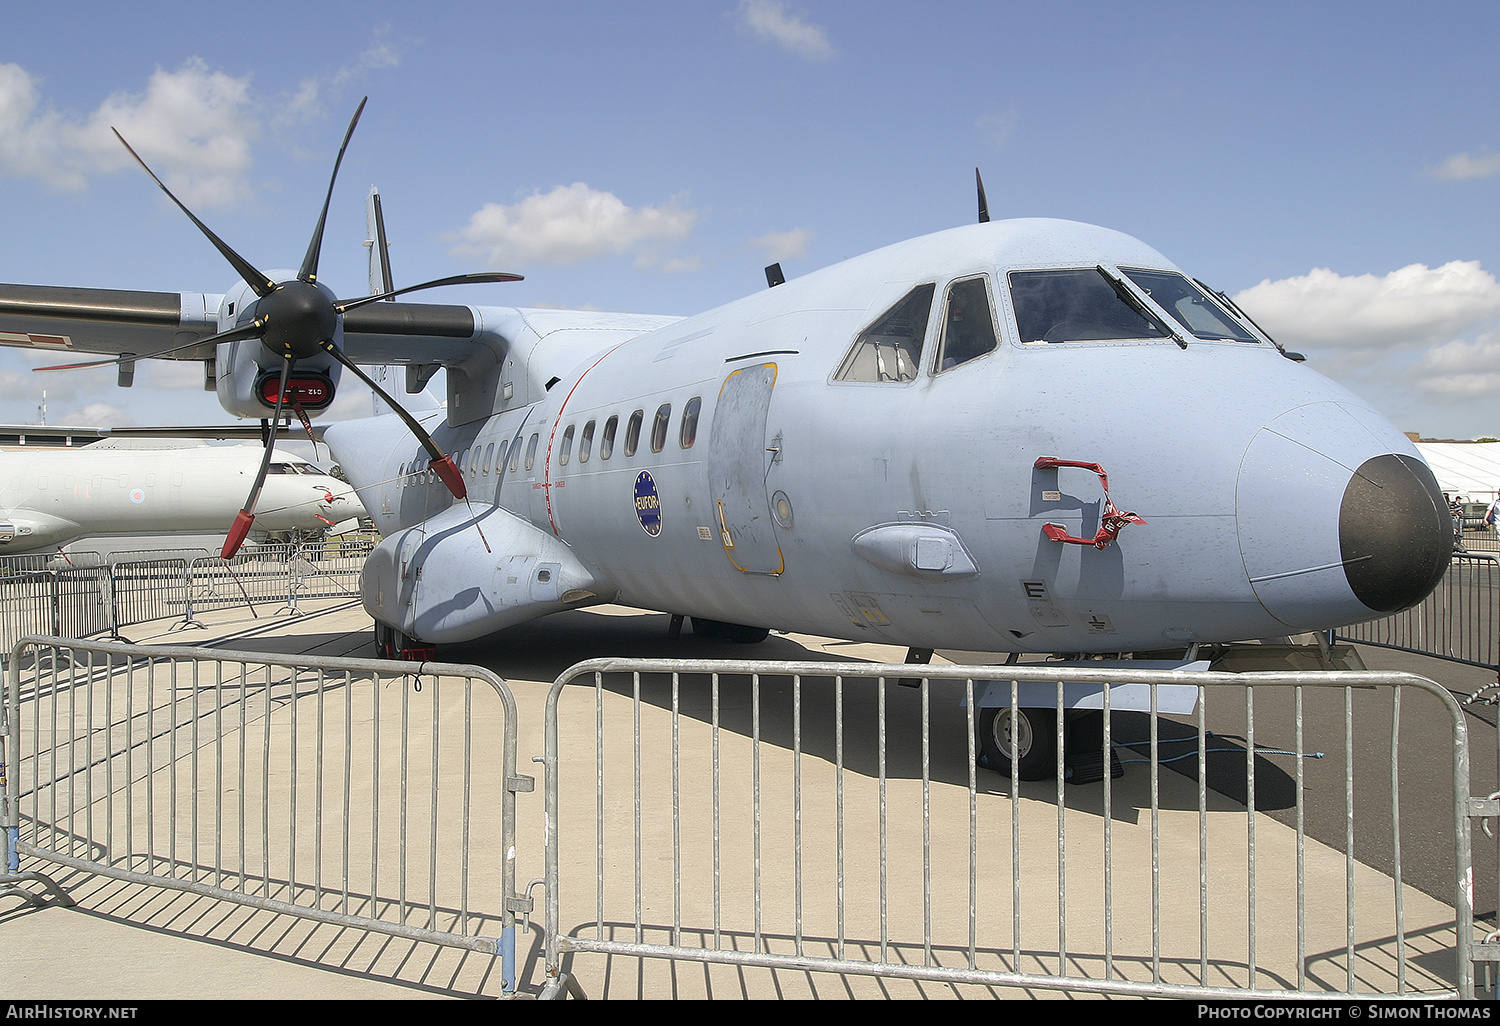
(774, 277)
(984, 204)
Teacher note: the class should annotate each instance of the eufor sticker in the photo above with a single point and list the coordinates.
(648, 504)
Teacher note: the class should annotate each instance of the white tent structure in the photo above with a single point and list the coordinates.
(1468, 469)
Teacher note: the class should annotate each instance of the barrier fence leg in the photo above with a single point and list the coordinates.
(188, 619)
(11, 876)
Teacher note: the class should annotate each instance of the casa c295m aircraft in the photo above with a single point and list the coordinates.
(1014, 436)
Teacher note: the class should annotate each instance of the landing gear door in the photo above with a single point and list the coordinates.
(737, 471)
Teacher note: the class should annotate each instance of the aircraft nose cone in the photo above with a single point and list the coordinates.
(1395, 532)
(1339, 520)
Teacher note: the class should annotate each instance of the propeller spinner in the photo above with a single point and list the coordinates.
(298, 319)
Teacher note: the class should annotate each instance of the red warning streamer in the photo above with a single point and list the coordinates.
(1111, 519)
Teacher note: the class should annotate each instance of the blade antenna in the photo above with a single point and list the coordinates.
(984, 204)
(262, 285)
(309, 272)
(246, 515)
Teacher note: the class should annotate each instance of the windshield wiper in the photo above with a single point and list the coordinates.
(1136, 303)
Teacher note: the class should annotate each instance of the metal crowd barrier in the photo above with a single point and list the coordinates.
(326, 789)
(83, 595)
(822, 818)
(1459, 621)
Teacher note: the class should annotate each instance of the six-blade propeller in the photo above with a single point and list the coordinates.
(297, 319)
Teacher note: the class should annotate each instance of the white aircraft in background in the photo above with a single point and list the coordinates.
(1021, 436)
(115, 489)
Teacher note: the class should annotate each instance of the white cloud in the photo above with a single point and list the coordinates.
(1411, 307)
(96, 415)
(778, 246)
(1462, 368)
(1463, 165)
(996, 127)
(568, 225)
(193, 125)
(769, 21)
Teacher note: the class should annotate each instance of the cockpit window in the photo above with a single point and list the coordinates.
(891, 348)
(968, 323)
(1076, 305)
(1192, 307)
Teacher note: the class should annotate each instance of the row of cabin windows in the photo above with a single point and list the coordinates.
(687, 434)
(477, 462)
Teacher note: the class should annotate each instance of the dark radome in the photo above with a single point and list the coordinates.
(1395, 532)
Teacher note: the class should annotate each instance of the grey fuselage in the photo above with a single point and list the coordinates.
(901, 502)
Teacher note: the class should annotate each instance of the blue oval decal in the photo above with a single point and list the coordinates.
(648, 504)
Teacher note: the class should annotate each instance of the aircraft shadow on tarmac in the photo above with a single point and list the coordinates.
(542, 650)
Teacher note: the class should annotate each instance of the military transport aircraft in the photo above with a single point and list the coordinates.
(1015, 436)
(51, 497)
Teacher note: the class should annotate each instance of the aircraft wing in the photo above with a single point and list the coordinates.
(107, 321)
(113, 322)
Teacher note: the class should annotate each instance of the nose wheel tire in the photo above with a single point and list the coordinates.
(1027, 740)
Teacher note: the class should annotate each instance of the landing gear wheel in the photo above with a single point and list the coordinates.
(738, 633)
(1031, 733)
(385, 641)
(392, 644)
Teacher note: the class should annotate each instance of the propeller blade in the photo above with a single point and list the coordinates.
(479, 278)
(252, 330)
(984, 205)
(246, 516)
(439, 464)
(309, 271)
(262, 285)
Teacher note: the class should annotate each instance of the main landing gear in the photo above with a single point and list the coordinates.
(392, 644)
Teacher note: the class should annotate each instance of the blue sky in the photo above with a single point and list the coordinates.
(1336, 165)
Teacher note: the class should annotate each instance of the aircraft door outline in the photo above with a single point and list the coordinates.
(737, 471)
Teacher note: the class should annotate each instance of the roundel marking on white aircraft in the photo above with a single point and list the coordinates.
(137, 496)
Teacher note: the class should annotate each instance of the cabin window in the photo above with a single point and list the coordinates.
(1194, 309)
(607, 440)
(891, 348)
(489, 458)
(659, 427)
(968, 323)
(531, 451)
(1077, 305)
(586, 442)
(633, 432)
(688, 433)
(566, 449)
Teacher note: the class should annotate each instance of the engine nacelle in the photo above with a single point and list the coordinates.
(247, 373)
(435, 582)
